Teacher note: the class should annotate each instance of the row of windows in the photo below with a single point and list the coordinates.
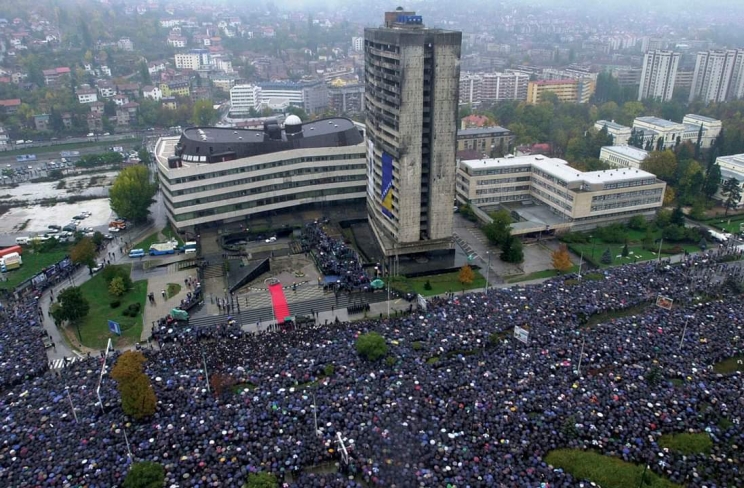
(500, 171)
(502, 189)
(264, 202)
(622, 161)
(549, 177)
(499, 181)
(272, 176)
(552, 189)
(627, 194)
(259, 167)
(626, 184)
(547, 196)
(273, 188)
(505, 198)
(626, 203)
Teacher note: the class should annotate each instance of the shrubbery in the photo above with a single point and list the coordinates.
(371, 346)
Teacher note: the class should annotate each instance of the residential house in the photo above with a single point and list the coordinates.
(176, 41)
(41, 121)
(4, 139)
(155, 67)
(132, 90)
(120, 99)
(106, 88)
(152, 92)
(67, 120)
(175, 88)
(127, 114)
(169, 103)
(125, 44)
(87, 95)
(97, 107)
(54, 76)
(10, 106)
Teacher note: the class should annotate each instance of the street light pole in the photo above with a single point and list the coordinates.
(488, 269)
(684, 331)
(67, 389)
(661, 242)
(206, 373)
(581, 355)
(591, 238)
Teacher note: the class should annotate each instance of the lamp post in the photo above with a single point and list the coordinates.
(591, 238)
(488, 269)
(661, 242)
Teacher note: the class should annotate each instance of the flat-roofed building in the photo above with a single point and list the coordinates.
(623, 156)
(213, 176)
(731, 167)
(485, 140)
(568, 91)
(580, 198)
(620, 133)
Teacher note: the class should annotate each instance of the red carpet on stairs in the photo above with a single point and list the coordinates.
(281, 309)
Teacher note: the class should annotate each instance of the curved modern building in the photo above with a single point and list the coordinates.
(216, 175)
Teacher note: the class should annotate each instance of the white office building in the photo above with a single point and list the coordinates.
(188, 61)
(731, 167)
(579, 198)
(244, 98)
(620, 133)
(623, 156)
(658, 75)
(357, 43)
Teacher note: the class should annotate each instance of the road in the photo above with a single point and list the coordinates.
(157, 222)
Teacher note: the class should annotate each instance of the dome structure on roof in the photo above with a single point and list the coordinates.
(292, 120)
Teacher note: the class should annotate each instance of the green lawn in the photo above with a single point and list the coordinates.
(32, 264)
(730, 365)
(727, 224)
(607, 471)
(173, 289)
(440, 283)
(154, 238)
(687, 443)
(607, 316)
(546, 273)
(94, 328)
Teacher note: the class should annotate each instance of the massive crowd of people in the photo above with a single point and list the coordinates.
(334, 258)
(457, 402)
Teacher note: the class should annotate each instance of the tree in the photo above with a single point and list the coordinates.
(663, 164)
(260, 480)
(498, 230)
(712, 181)
(371, 346)
(511, 251)
(561, 259)
(732, 192)
(97, 238)
(678, 216)
(73, 304)
(138, 398)
(625, 251)
(117, 287)
(203, 113)
(145, 474)
(84, 252)
(669, 195)
(466, 275)
(144, 156)
(606, 257)
(55, 311)
(132, 193)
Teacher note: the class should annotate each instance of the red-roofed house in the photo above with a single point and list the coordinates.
(473, 121)
(54, 75)
(10, 106)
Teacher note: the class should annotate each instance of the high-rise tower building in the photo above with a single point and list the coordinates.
(712, 75)
(412, 78)
(658, 75)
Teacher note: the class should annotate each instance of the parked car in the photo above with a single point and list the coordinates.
(271, 239)
(108, 237)
(79, 217)
(114, 229)
(96, 268)
(54, 226)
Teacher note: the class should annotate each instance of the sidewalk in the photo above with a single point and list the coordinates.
(162, 307)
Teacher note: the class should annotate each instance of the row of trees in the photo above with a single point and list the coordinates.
(132, 193)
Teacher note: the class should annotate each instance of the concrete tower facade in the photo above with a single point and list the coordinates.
(412, 76)
(658, 75)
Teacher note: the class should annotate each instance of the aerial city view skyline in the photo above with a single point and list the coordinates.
(358, 244)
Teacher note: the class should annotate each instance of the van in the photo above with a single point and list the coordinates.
(22, 241)
(136, 253)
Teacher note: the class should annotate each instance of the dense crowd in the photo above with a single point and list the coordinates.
(460, 402)
(22, 353)
(334, 258)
